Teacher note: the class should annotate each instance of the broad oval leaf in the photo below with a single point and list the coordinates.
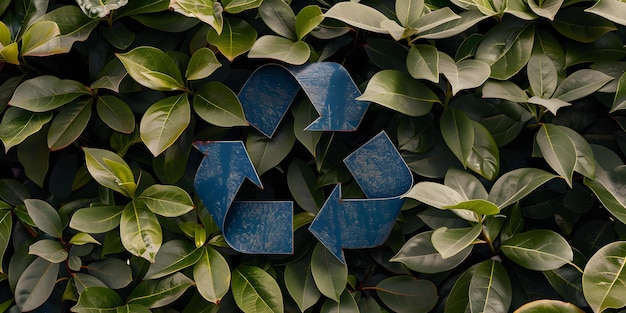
(576, 23)
(45, 217)
(212, 275)
(538, 250)
(69, 124)
(167, 200)
(435, 194)
(37, 35)
(552, 104)
(466, 184)
(267, 153)
(110, 171)
(484, 157)
(581, 84)
(610, 10)
(490, 288)
(605, 276)
(422, 62)
(464, 74)
(164, 122)
(279, 17)
(300, 283)
(161, 292)
(308, 19)
(610, 188)
(517, 184)
(548, 306)
(237, 6)
(36, 284)
(97, 8)
(83, 238)
(345, 304)
(114, 272)
(256, 291)
(457, 132)
(202, 64)
(542, 75)
(455, 26)
(406, 294)
(140, 230)
(458, 299)
(50, 250)
(218, 105)
(236, 38)
(74, 26)
(279, 48)
(504, 90)
(152, 68)
(400, 92)
(173, 256)
(97, 219)
(358, 15)
(116, 114)
(450, 241)
(97, 299)
(83, 281)
(209, 12)
(45, 93)
(301, 182)
(18, 124)
(330, 275)
(419, 254)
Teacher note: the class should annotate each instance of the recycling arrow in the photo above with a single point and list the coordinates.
(383, 176)
(268, 93)
(248, 226)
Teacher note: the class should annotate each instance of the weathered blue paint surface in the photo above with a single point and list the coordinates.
(383, 176)
(267, 94)
(248, 226)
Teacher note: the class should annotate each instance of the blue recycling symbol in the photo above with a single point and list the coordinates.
(266, 227)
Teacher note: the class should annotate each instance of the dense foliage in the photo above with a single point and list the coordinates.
(510, 114)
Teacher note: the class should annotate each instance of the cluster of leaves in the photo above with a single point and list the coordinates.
(509, 113)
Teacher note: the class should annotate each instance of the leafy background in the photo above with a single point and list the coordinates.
(509, 113)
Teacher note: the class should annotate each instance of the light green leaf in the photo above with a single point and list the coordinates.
(279, 48)
(212, 275)
(279, 17)
(6, 226)
(396, 31)
(267, 153)
(484, 158)
(116, 114)
(307, 20)
(547, 9)
(434, 194)
(140, 230)
(10, 53)
(419, 254)
(406, 294)
(504, 90)
(97, 219)
(98, 8)
(36, 284)
(612, 10)
(610, 188)
(538, 250)
(581, 84)
(490, 288)
(454, 27)
(358, 15)
(409, 12)
(45, 93)
(423, 62)
(330, 275)
(110, 171)
(465, 74)
(115, 273)
(458, 133)
(450, 241)
(479, 206)
(132, 308)
(202, 64)
(164, 122)
(436, 18)
(237, 6)
(158, 293)
(48, 249)
(218, 105)
(619, 103)
(167, 200)
(18, 124)
(69, 124)
(300, 283)
(400, 92)
(173, 256)
(548, 306)
(152, 68)
(74, 26)
(97, 300)
(517, 184)
(209, 12)
(604, 277)
(237, 38)
(255, 291)
(37, 35)
(111, 76)
(552, 104)
(465, 184)
(45, 217)
(83, 281)
(83, 238)
(542, 75)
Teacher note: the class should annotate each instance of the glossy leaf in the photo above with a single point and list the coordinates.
(18, 124)
(279, 17)
(464, 74)
(419, 254)
(517, 184)
(619, 103)
(330, 275)
(68, 124)
(603, 278)
(164, 122)
(538, 250)
(300, 283)
(304, 114)
(152, 68)
(209, 12)
(237, 6)
(202, 64)
(400, 92)
(450, 241)
(307, 20)
(454, 27)
(465, 184)
(97, 299)
(548, 306)
(609, 187)
(581, 26)
(490, 288)
(6, 226)
(173, 256)
(115, 273)
(434, 194)
(358, 15)
(36, 284)
(458, 133)
(346, 303)
(37, 35)
(161, 292)
(218, 105)
(458, 299)
(547, 9)
(580, 84)
(267, 153)
(82, 239)
(167, 200)
(45, 217)
(110, 171)
(49, 250)
(279, 48)
(552, 104)
(484, 157)
(98, 219)
(140, 231)
(422, 62)
(405, 294)
(301, 182)
(504, 90)
(212, 275)
(255, 290)
(236, 38)
(542, 75)
(116, 114)
(45, 93)
(93, 8)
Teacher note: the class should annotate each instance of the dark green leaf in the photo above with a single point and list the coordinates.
(159, 293)
(97, 219)
(406, 294)
(174, 255)
(96, 8)
(45, 93)
(115, 273)
(330, 275)
(45, 217)
(35, 284)
(34, 155)
(97, 300)
(484, 157)
(458, 133)
(301, 183)
(152, 68)
(68, 124)
(517, 184)
(116, 114)
(300, 283)
(49, 250)
(18, 124)
(581, 26)
(279, 17)
(539, 250)
(419, 254)
(490, 288)
(6, 225)
(267, 153)
(202, 64)
(610, 188)
(507, 48)
(346, 304)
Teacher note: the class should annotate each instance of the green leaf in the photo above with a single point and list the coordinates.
(36, 284)
(45, 217)
(490, 288)
(173, 256)
(454, 27)
(237, 38)
(504, 90)
(97, 300)
(37, 35)
(98, 8)
(115, 273)
(450, 241)
(409, 12)
(69, 124)
(18, 124)
(304, 114)
(152, 68)
(400, 92)
(45, 93)
(458, 133)
(358, 15)
(164, 122)
(279, 48)
(267, 153)
(547, 9)
(346, 304)
(140, 230)
(435, 194)
(484, 158)
(538, 250)
(581, 26)
(34, 156)
(581, 84)
(422, 61)
(209, 12)
(302, 184)
(619, 103)
(404, 294)
(49, 250)
(465, 184)
(458, 299)
(158, 293)
(610, 188)
(604, 277)
(111, 76)
(552, 104)
(307, 20)
(202, 64)
(6, 226)
(83, 238)
(464, 74)
(83, 281)
(167, 200)
(517, 184)
(419, 254)
(300, 283)
(212, 275)
(218, 105)
(256, 291)
(74, 26)
(110, 171)
(132, 308)
(542, 75)
(97, 219)
(611, 10)
(330, 275)
(548, 306)
(237, 6)
(279, 17)
(479, 206)
(116, 114)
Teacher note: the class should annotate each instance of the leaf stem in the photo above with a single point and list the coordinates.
(487, 240)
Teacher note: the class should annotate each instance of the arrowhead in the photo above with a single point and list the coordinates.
(326, 226)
